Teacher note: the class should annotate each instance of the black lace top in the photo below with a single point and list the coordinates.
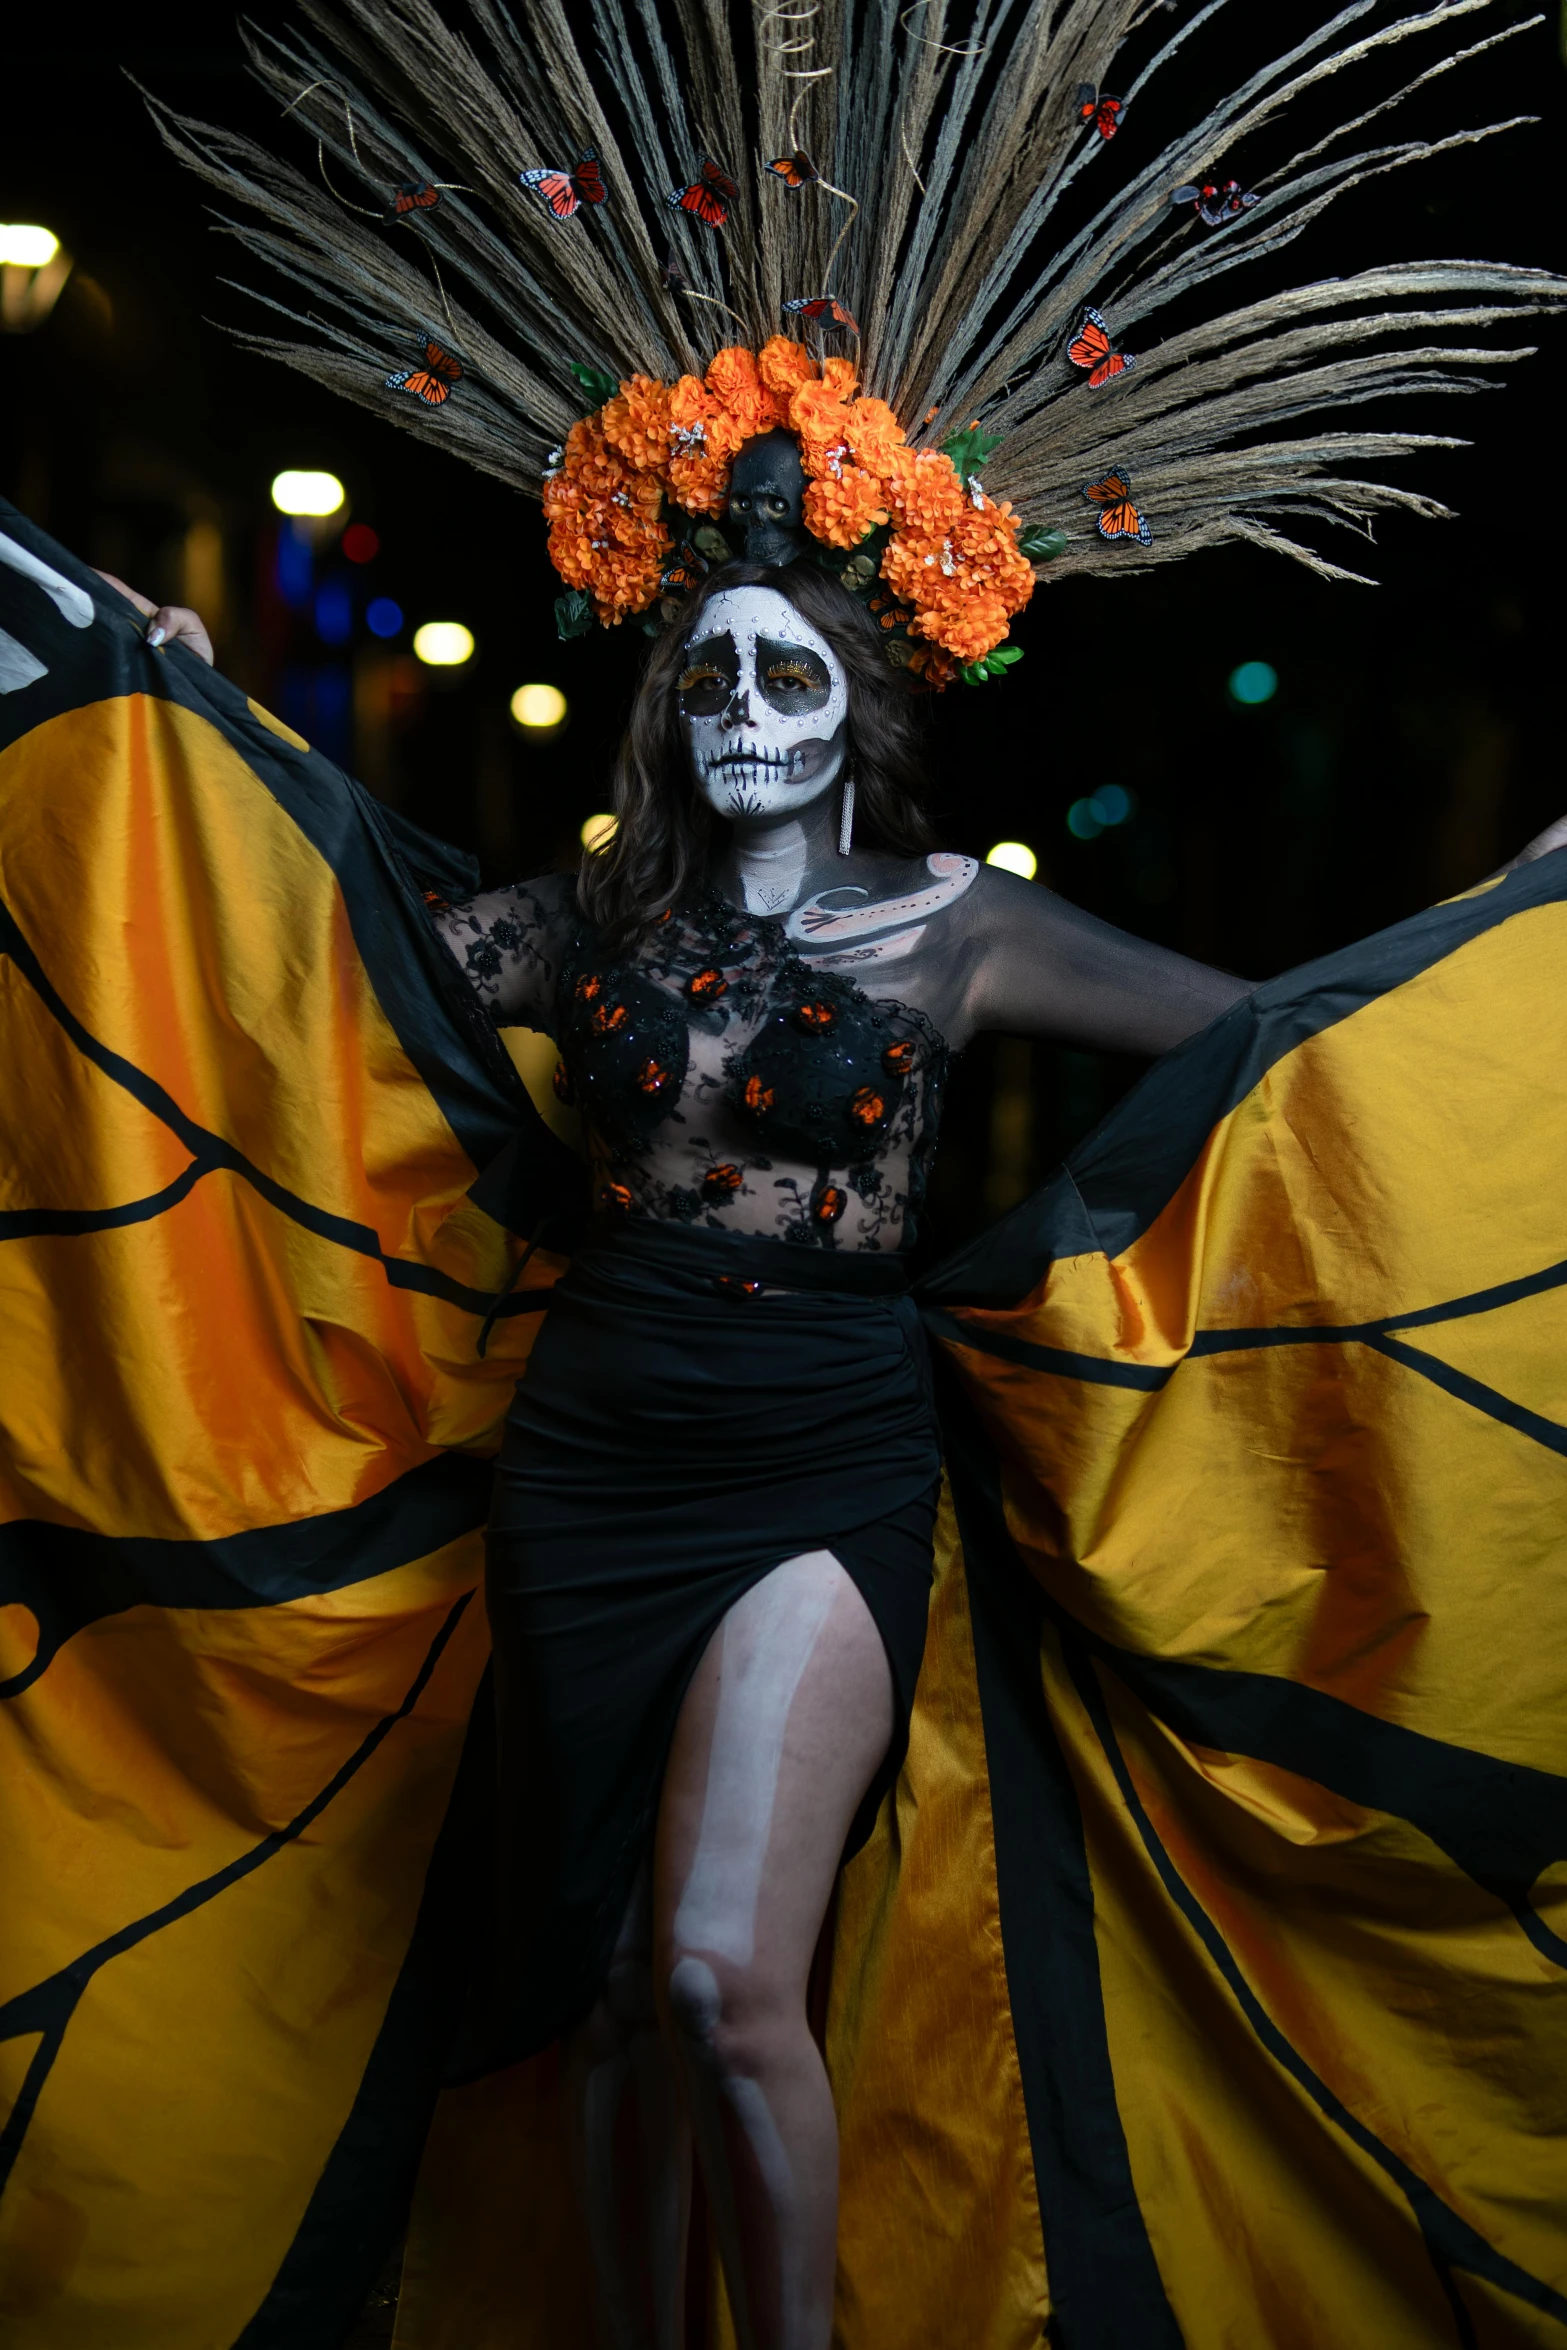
(723, 1081)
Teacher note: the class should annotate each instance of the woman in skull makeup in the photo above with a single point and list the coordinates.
(710, 1545)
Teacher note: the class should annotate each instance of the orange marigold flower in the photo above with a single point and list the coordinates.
(636, 422)
(924, 493)
(841, 508)
(734, 381)
(969, 627)
(871, 430)
(818, 415)
(839, 373)
(691, 405)
(700, 483)
(783, 366)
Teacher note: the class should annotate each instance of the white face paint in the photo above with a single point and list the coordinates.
(766, 707)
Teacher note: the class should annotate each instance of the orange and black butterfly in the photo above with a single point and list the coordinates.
(1099, 108)
(565, 192)
(1216, 200)
(796, 170)
(432, 382)
(823, 309)
(709, 196)
(415, 196)
(1118, 517)
(1090, 348)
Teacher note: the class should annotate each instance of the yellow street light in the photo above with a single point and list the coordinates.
(302, 492)
(1014, 856)
(598, 832)
(33, 268)
(538, 706)
(443, 644)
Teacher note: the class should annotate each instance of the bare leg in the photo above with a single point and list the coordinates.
(620, 2046)
(784, 1726)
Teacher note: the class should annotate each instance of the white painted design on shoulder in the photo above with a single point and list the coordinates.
(826, 921)
(896, 947)
(71, 602)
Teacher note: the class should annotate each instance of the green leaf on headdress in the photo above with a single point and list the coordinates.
(994, 664)
(598, 386)
(970, 451)
(573, 613)
(1038, 545)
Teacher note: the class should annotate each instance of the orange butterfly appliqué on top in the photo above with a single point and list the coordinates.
(709, 196)
(432, 382)
(1090, 348)
(796, 170)
(1118, 517)
(823, 309)
(415, 196)
(565, 192)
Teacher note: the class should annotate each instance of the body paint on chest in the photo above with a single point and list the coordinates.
(877, 930)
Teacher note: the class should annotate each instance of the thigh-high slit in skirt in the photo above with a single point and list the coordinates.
(676, 1437)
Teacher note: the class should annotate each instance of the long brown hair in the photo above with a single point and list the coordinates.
(663, 827)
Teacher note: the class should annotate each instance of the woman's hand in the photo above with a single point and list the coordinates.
(167, 624)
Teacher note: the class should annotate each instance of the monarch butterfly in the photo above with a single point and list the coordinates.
(866, 1106)
(1099, 108)
(815, 1017)
(828, 1204)
(685, 573)
(796, 170)
(432, 382)
(706, 986)
(565, 192)
(1215, 202)
(722, 1181)
(1090, 348)
(1118, 518)
(652, 1078)
(709, 196)
(758, 1098)
(898, 1059)
(415, 196)
(823, 307)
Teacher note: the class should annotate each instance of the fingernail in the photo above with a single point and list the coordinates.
(155, 636)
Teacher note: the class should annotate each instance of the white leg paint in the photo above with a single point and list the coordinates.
(765, 1645)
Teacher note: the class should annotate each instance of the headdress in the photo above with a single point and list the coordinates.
(853, 247)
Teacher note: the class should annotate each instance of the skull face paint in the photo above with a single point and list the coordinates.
(766, 707)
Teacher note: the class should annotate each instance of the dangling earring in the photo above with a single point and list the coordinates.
(846, 821)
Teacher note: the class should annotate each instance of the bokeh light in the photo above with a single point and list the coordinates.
(23, 245)
(1013, 856)
(360, 543)
(598, 832)
(443, 644)
(1254, 681)
(538, 706)
(334, 613)
(1111, 804)
(302, 492)
(383, 617)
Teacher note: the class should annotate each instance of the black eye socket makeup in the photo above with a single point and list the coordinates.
(792, 678)
(711, 672)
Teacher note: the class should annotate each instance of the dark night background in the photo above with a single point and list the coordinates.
(1411, 745)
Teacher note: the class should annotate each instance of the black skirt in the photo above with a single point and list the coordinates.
(675, 1438)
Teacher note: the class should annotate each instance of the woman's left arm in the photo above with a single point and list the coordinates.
(1040, 966)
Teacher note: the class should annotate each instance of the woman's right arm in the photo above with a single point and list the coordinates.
(509, 944)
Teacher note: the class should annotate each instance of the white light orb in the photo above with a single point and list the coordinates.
(443, 644)
(302, 492)
(1014, 856)
(25, 246)
(538, 705)
(598, 832)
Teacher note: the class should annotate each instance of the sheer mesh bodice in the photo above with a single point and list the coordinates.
(721, 1080)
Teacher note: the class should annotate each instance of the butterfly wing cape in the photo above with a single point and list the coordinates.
(1203, 1980)
(244, 1472)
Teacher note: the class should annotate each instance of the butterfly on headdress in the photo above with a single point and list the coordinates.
(796, 170)
(1090, 348)
(1216, 201)
(687, 571)
(432, 382)
(1117, 518)
(709, 196)
(1099, 108)
(415, 196)
(565, 192)
(823, 310)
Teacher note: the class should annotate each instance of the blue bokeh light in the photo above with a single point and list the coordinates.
(1112, 803)
(334, 612)
(1081, 822)
(1253, 682)
(383, 617)
(295, 565)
